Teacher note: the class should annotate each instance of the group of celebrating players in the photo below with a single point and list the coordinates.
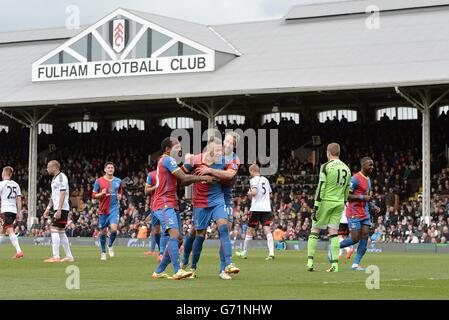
(212, 174)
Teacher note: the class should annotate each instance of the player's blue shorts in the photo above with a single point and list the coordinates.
(168, 218)
(203, 216)
(154, 220)
(107, 219)
(228, 210)
(356, 223)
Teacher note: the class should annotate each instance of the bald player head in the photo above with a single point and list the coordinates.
(7, 173)
(254, 170)
(333, 151)
(214, 148)
(53, 167)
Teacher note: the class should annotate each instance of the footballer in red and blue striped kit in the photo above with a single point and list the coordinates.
(108, 189)
(208, 205)
(156, 237)
(358, 211)
(165, 203)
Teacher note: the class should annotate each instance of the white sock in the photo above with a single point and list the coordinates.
(246, 244)
(348, 248)
(65, 244)
(15, 242)
(2, 237)
(340, 239)
(55, 242)
(270, 243)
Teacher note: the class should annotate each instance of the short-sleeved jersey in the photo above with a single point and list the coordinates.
(232, 162)
(9, 191)
(60, 183)
(109, 203)
(261, 201)
(360, 186)
(334, 182)
(164, 195)
(151, 182)
(206, 195)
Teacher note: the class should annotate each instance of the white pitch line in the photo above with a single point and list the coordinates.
(388, 280)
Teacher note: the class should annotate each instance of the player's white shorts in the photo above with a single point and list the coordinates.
(344, 219)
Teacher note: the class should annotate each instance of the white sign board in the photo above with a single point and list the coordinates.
(123, 68)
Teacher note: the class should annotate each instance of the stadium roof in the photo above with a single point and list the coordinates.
(351, 7)
(333, 51)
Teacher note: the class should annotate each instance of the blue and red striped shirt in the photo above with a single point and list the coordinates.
(109, 203)
(166, 184)
(151, 182)
(206, 195)
(360, 186)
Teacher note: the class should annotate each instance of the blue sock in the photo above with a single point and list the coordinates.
(346, 243)
(153, 243)
(164, 262)
(222, 260)
(173, 251)
(157, 238)
(103, 242)
(163, 244)
(188, 244)
(225, 243)
(361, 249)
(112, 238)
(196, 249)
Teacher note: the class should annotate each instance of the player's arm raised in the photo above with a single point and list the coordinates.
(187, 179)
(183, 178)
(227, 174)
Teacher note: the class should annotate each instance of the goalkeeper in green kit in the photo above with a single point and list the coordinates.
(330, 199)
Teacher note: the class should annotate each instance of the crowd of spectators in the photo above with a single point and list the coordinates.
(395, 180)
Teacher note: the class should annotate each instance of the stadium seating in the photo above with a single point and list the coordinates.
(393, 144)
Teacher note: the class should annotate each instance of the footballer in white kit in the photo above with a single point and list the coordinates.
(11, 206)
(260, 211)
(343, 232)
(59, 202)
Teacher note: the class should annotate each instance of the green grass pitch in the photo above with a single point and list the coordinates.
(128, 276)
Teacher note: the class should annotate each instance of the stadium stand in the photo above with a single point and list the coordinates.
(396, 178)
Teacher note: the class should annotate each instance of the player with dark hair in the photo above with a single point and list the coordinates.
(357, 211)
(166, 202)
(156, 237)
(227, 178)
(108, 189)
(209, 205)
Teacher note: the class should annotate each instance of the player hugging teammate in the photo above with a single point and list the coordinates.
(212, 202)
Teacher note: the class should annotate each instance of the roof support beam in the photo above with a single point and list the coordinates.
(9, 115)
(424, 104)
(33, 124)
(209, 110)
